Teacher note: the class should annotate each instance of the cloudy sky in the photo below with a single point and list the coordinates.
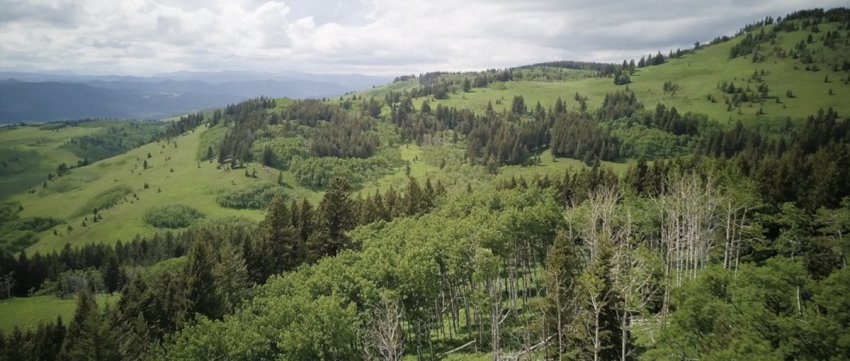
(143, 37)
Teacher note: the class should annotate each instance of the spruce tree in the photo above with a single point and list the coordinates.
(87, 336)
(336, 216)
(563, 268)
(306, 221)
(278, 248)
(134, 338)
(413, 198)
(112, 273)
(231, 275)
(203, 298)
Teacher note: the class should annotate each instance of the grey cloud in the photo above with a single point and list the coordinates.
(376, 36)
(62, 14)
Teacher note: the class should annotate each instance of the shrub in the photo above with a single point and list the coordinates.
(253, 197)
(172, 216)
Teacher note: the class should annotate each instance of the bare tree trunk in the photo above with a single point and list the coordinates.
(384, 332)
(624, 335)
(597, 346)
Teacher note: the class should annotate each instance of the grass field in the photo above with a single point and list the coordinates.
(697, 75)
(28, 153)
(174, 176)
(28, 312)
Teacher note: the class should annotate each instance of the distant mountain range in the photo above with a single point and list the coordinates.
(41, 97)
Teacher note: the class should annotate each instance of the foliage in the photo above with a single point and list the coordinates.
(172, 216)
(345, 138)
(69, 283)
(283, 151)
(112, 139)
(256, 196)
(318, 172)
(764, 313)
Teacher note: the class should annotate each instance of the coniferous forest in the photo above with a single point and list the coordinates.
(458, 216)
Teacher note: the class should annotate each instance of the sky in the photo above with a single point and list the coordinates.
(381, 37)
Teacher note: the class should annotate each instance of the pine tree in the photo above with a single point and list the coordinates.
(279, 247)
(336, 216)
(200, 281)
(306, 221)
(413, 197)
(134, 338)
(563, 268)
(16, 347)
(231, 276)
(87, 336)
(112, 273)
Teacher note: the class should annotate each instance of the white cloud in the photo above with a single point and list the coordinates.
(371, 36)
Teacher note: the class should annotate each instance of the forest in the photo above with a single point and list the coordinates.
(664, 233)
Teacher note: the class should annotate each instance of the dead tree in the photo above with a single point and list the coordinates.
(383, 338)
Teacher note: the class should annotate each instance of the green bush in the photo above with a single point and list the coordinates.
(318, 172)
(253, 197)
(172, 216)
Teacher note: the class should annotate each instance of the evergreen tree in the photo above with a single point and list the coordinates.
(306, 221)
(16, 346)
(112, 273)
(200, 281)
(134, 338)
(88, 335)
(279, 248)
(231, 275)
(336, 216)
(414, 197)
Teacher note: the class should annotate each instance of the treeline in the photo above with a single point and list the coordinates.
(518, 134)
(491, 138)
(804, 19)
(808, 165)
(182, 125)
(28, 273)
(247, 119)
(345, 137)
(114, 138)
(577, 135)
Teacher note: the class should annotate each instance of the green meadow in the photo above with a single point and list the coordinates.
(30, 311)
(696, 75)
(28, 153)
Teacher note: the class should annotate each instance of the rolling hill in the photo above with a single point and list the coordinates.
(696, 75)
(693, 205)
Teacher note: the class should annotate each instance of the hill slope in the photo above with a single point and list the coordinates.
(814, 72)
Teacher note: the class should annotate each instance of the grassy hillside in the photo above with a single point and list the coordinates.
(695, 75)
(117, 186)
(28, 153)
(596, 241)
(123, 191)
